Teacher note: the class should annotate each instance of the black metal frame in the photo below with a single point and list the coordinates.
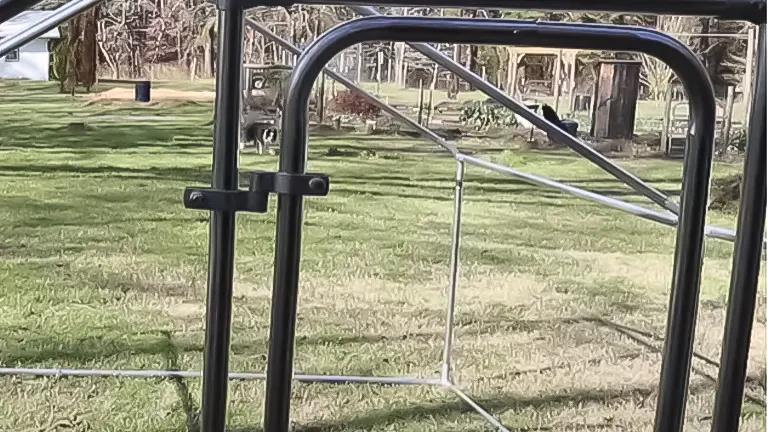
(689, 247)
(224, 199)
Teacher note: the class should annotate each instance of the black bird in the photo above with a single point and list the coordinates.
(552, 117)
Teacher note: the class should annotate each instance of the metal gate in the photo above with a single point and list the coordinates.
(224, 199)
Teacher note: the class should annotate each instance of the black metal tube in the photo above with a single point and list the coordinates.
(740, 10)
(11, 8)
(284, 299)
(293, 154)
(282, 332)
(686, 274)
(746, 263)
(222, 236)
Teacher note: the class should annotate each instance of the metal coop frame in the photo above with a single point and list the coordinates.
(291, 183)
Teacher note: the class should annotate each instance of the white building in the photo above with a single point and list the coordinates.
(32, 60)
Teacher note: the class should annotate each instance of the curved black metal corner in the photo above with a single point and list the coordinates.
(690, 233)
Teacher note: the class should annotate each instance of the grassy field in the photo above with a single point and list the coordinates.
(562, 303)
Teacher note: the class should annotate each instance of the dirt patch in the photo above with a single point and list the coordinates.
(160, 94)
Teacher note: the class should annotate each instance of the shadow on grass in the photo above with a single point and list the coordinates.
(497, 180)
(108, 136)
(495, 404)
(201, 175)
(374, 185)
(489, 185)
(512, 187)
(92, 348)
(84, 349)
(48, 223)
(498, 404)
(352, 149)
(188, 405)
(89, 349)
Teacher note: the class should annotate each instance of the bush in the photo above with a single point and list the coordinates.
(483, 115)
(354, 103)
(738, 140)
(726, 192)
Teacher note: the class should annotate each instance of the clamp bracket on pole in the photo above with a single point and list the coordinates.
(256, 198)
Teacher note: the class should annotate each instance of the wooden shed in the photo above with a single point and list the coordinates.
(615, 99)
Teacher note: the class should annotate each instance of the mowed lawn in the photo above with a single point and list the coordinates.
(562, 303)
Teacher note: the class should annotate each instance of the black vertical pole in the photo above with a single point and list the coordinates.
(282, 333)
(686, 274)
(222, 235)
(746, 262)
(285, 291)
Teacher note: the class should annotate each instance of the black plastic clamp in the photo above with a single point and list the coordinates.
(256, 198)
(313, 184)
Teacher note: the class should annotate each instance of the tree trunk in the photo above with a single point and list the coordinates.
(379, 65)
(708, 25)
(262, 50)
(727, 116)
(193, 69)
(208, 59)
(400, 75)
(211, 60)
(472, 52)
(399, 61)
(359, 63)
(431, 99)
(512, 63)
(454, 88)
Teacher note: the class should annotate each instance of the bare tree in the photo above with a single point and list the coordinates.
(655, 73)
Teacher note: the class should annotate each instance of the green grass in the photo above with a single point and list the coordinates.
(102, 267)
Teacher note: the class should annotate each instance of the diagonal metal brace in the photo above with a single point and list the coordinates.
(256, 198)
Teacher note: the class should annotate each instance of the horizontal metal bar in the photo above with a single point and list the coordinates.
(740, 10)
(149, 373)
(646, 213)
(720, 233)
(425, 132)
(665, 218)
(555, 132)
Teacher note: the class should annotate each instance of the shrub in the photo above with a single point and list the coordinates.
(738, 139)
(483, 115)
(354, 103)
